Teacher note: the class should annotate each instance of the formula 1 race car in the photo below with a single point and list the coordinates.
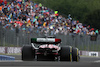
(49, 48)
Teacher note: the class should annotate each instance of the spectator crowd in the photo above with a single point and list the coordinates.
(29, 16)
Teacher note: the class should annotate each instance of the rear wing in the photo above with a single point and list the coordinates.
(45, 40)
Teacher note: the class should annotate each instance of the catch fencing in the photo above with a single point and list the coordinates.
(83, 42)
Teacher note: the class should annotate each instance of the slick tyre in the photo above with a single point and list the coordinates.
(75, 55)
(65, 54)
(28, 53)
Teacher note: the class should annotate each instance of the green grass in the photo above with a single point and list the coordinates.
(10, 54)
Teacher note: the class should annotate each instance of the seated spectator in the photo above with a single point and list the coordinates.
(27, 16)
(1, 1)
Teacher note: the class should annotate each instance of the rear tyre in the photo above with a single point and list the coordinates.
(65, 54)
(28, 53)
(75, 55)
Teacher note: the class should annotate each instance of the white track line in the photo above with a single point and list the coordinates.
(98, 61)
(11, 61)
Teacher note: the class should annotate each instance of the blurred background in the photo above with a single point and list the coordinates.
(75, 22)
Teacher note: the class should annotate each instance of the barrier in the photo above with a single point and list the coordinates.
(83, 42)
(2, 50)
(94, 54)
(10, 50)
(17, 50)
(90, 53)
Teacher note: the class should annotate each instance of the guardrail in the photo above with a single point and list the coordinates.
(17, 50)
(83, 42)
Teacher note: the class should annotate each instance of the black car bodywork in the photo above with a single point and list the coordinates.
(65, 53)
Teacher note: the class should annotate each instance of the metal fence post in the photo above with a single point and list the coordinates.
(9, 37)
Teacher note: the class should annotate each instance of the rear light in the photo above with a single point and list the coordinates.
(57, 40)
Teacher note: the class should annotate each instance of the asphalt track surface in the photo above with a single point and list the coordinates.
(84, 62)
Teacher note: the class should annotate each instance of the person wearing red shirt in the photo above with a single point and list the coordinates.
(5, 1)
(1, 2)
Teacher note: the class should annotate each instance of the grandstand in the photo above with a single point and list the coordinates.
(23, 18)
